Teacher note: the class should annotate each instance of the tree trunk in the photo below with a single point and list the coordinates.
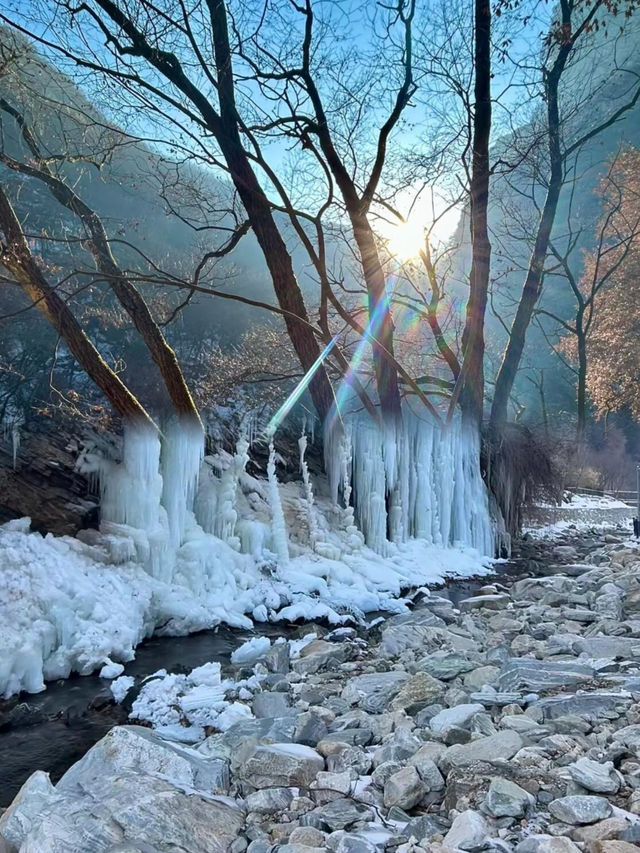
(535, 272)
(17, 258)
(260, 215)
(472, 396)
(581, 399)
(381, 324)
(126, 293)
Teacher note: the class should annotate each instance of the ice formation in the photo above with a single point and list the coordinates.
(187, 543)
(412, 480)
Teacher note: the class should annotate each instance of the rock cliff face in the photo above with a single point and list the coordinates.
(44, 484)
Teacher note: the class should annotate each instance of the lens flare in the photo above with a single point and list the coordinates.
(299, 390)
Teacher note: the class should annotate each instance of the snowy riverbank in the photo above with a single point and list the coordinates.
(65, 606)
(509, 724)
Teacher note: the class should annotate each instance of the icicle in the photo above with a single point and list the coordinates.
(278, 528)
(308, 491)
(15, 441)
(182, 452)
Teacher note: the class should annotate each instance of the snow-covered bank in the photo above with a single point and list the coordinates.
(186, 544)
(66, 606)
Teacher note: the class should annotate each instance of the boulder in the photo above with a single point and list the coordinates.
(578, 809)
(404, 789)
(460, 715)
(420, 690)
(269, 800)
(531, 674)
(374, 691)
(281, 765)
(547, 844)
(503, 745)
(136, 749)
(506, 799)
(468, 831)
(340, 813)
(594, 776)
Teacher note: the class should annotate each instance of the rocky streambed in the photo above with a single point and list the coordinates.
(508, 722)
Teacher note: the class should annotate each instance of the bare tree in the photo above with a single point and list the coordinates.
(16, 257)
(577, 20)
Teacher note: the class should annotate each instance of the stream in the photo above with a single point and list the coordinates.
(52, 730)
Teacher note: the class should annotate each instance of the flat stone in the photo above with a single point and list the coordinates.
(503, 745)
(582, 704)
(409, 631)
(604, 830)
(341, 813)
(594, 776)
(506, 799)
(468, 831)
(530, 674)
(608, 647)
(420, 690)
(424, 827)
(404, 789)
(547, 844)
(320, 654)
(461, 716)
(491, 602)
(281, 765)
(614, 847)
(577, 810)
(477, 678)
(269, 800)
(374, 691)
(446, 665)
(308, 835)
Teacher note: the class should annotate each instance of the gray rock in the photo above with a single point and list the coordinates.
(582, 704)
(577, 810)
(547, 844)
(281, 765)
(468, 831)
(340, 782)
(319, 655)
(130, 806)
(269, 800)
(505, 744)
(341, 813)
(491, 602)
(404, 789)
(530, 674)
(308, 835)
(237, 742)
(270, 705)
(429, 773)
(136, 749)
(409, 631)
(34, 796)
(477, 678)
(461, 716)
(446, 665)
(601, 778)
(608, 647)
(421, 690)
(424, 827)
(310, 728)
(506, 799)
(374, 691)
(355, 844)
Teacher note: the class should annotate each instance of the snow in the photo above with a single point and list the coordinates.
(121, 686)
(250, 651)
(186, 544)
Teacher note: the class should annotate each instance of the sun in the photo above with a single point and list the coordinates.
(429, 211)
(405, 240)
